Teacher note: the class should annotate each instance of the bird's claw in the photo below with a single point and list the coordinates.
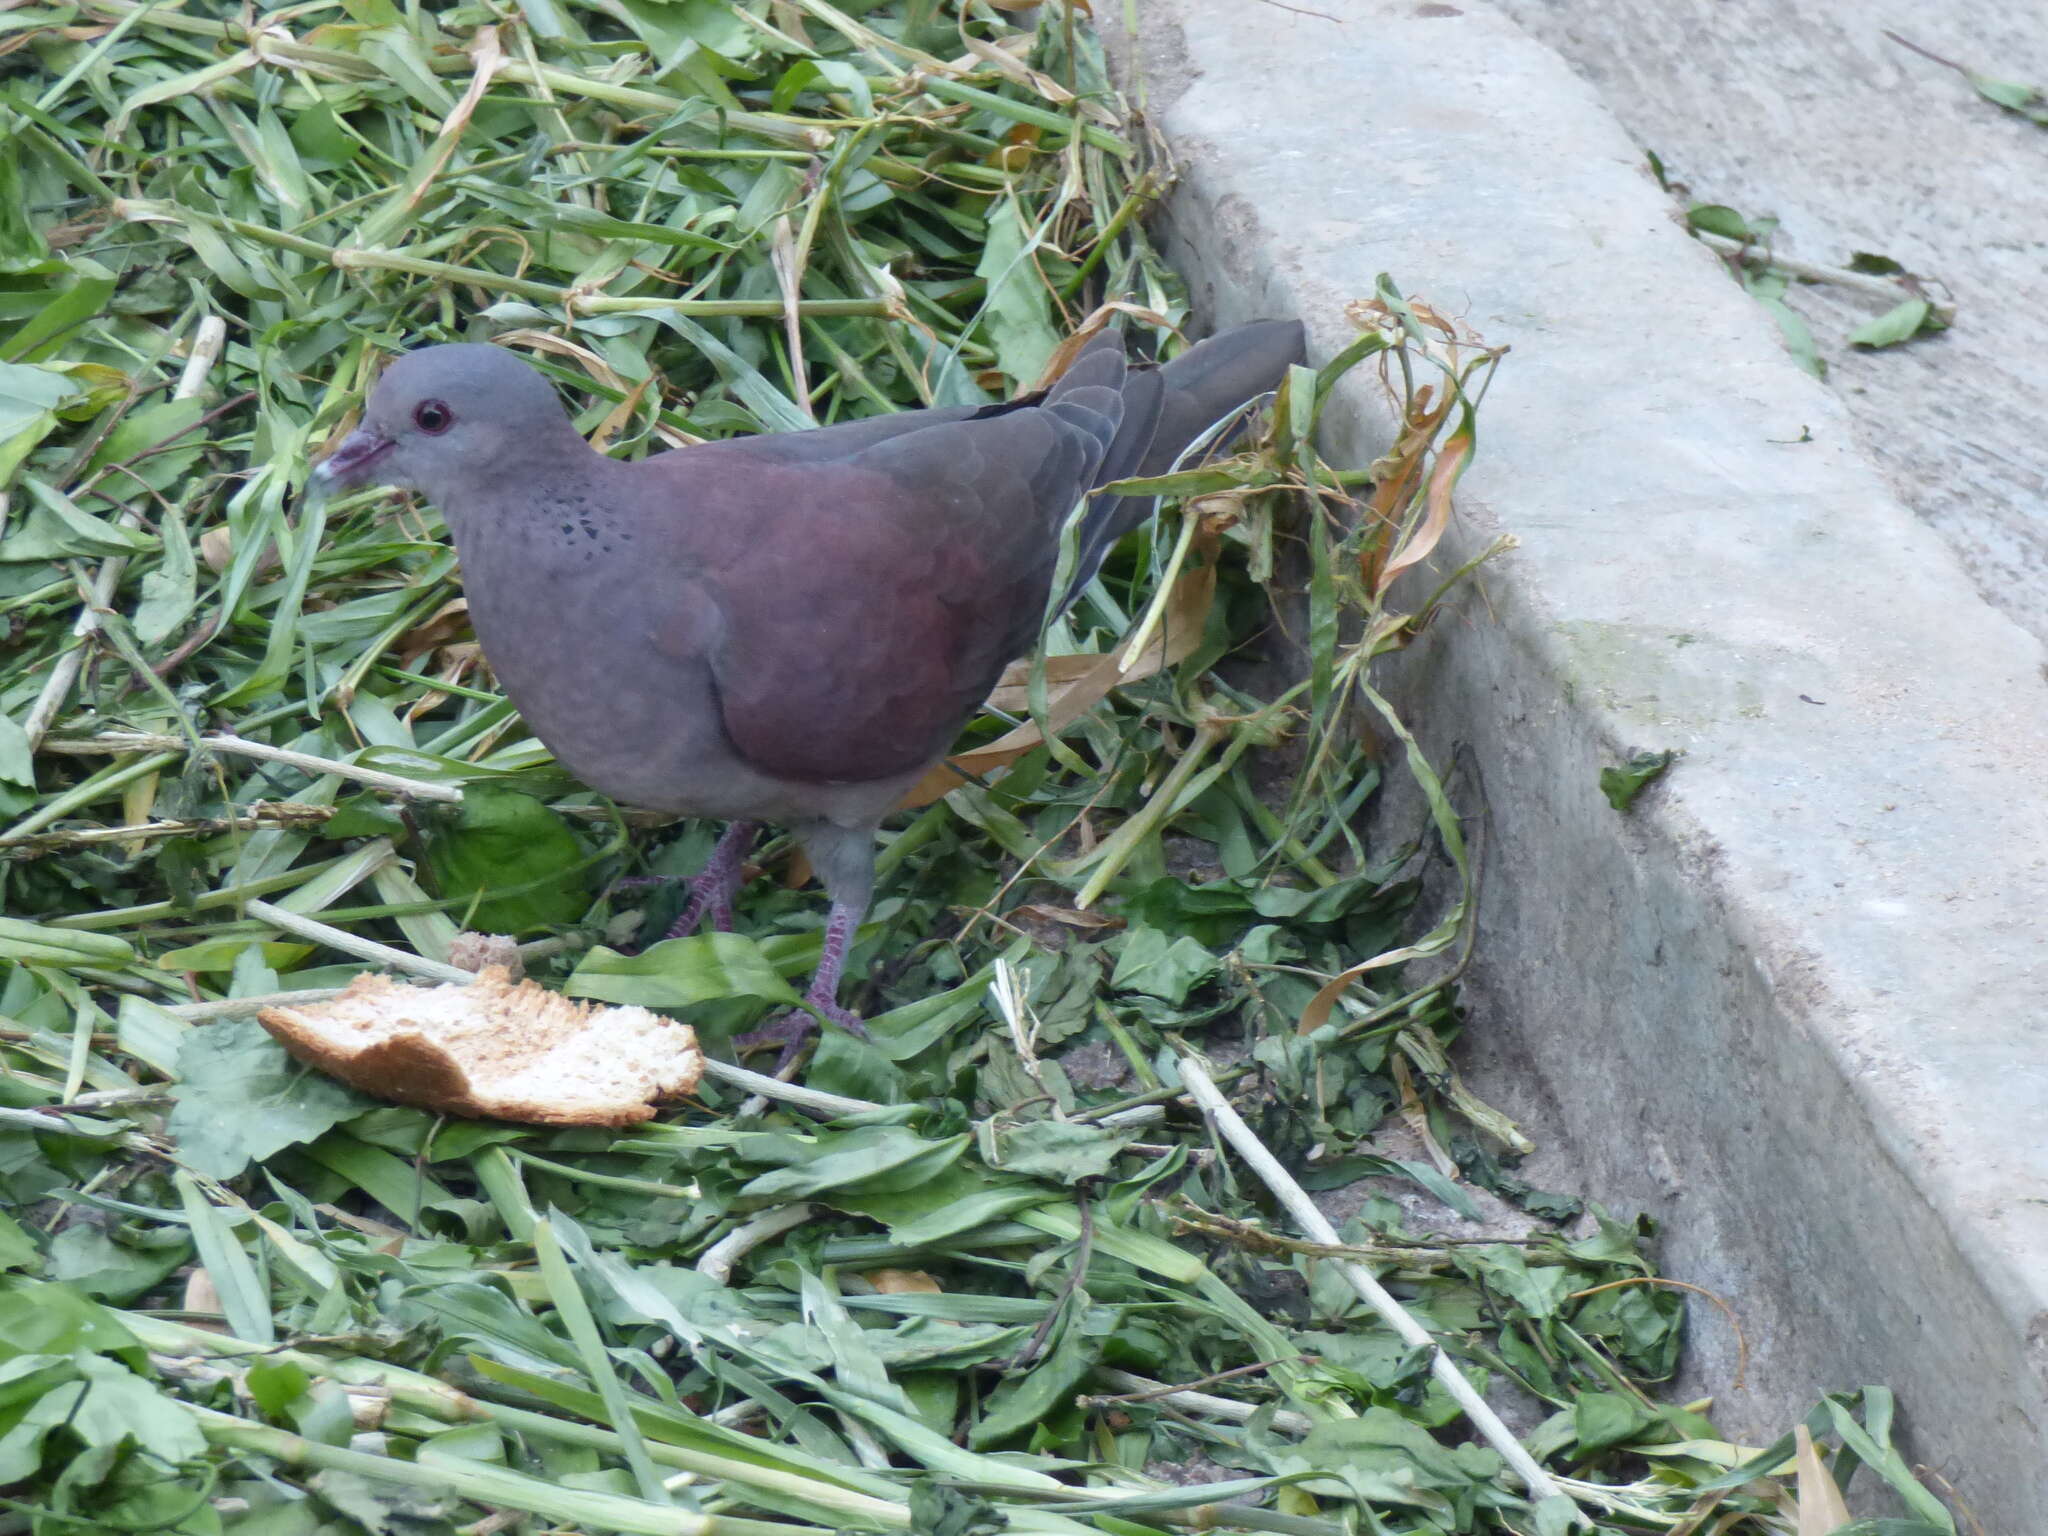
(795, 1029)
(709, 896)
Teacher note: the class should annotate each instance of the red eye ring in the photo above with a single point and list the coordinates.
(433, 416)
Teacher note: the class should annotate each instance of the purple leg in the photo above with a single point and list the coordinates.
(795, 1027)
(713, 888)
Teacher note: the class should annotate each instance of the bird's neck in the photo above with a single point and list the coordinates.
(541, 499)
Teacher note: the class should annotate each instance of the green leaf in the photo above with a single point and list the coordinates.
(240, 1098)
(1622, 785)
(2013, 95)
(1539, 1290)
(168, 591)
(1901, 323)
(364, 815)
(40, 1318)
(1022, 1402)
(29, 398)
(394, 1183)
(822, 75)
(880, 1159)
(1768, 287)
(22, 247)
(1719, 219)
(57, 526)
(938, 1509)
(681, 973)
(243, 1295)
(1382, 1457)
(89, 287)
(122, 1492)
(17, 1249)
(1018, 312)
(516, 859)
(29, 943)
(275, 1384)
(104, 1405)
(1160, 967)
(85, 1256)
(17, 757)
(1601, 1419)
(1060, 1149)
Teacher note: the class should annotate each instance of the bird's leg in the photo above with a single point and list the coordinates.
(712, 888)
(845, 858)
(824, 989)
(794, 1029)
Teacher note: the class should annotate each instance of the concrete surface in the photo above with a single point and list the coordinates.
(1794, 1002)
(1808, 113)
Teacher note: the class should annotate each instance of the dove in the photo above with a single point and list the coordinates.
(787, 628)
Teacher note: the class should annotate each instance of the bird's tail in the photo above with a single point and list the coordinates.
(1165, 412)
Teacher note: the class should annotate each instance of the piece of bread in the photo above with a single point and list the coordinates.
(494, 1050)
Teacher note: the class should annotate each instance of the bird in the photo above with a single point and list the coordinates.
(790, 627)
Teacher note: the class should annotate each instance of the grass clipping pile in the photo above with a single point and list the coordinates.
(990, 1269)
(494, 1048)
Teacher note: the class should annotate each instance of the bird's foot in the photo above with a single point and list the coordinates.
(712, 889)
(710, 896)
(793, 1030)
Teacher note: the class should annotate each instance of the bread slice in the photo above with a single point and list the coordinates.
(494, 1050)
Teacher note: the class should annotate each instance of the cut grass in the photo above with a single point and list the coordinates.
(244, 743)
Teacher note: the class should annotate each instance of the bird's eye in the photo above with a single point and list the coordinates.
(432, 416)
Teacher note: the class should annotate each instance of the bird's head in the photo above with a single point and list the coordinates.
(446, 417)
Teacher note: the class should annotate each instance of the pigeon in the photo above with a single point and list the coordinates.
(791, 627)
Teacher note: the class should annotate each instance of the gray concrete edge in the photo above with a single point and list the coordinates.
(1793, 1002)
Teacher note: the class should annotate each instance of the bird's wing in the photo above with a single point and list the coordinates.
(1196, 391)
(868, 603)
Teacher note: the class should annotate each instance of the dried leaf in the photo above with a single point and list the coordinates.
(1821, 1509)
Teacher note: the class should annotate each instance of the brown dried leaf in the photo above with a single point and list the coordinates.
(1821, 1509)
(437, 629)
(901, 1282)
(200, 1295)
(217, 549)
(1443, 475)
(1012, 693)
(489, 54)
(619, 415)
(1065, 916)
(1071, 344)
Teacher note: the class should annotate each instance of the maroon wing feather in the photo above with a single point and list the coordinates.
(869, 604)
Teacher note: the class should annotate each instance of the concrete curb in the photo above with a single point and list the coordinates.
(1794, 1001)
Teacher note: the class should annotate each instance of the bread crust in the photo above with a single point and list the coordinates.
(460, 1049)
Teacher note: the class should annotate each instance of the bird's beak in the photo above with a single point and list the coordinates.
(353, 464)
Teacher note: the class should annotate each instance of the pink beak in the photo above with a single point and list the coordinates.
(353, 463)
